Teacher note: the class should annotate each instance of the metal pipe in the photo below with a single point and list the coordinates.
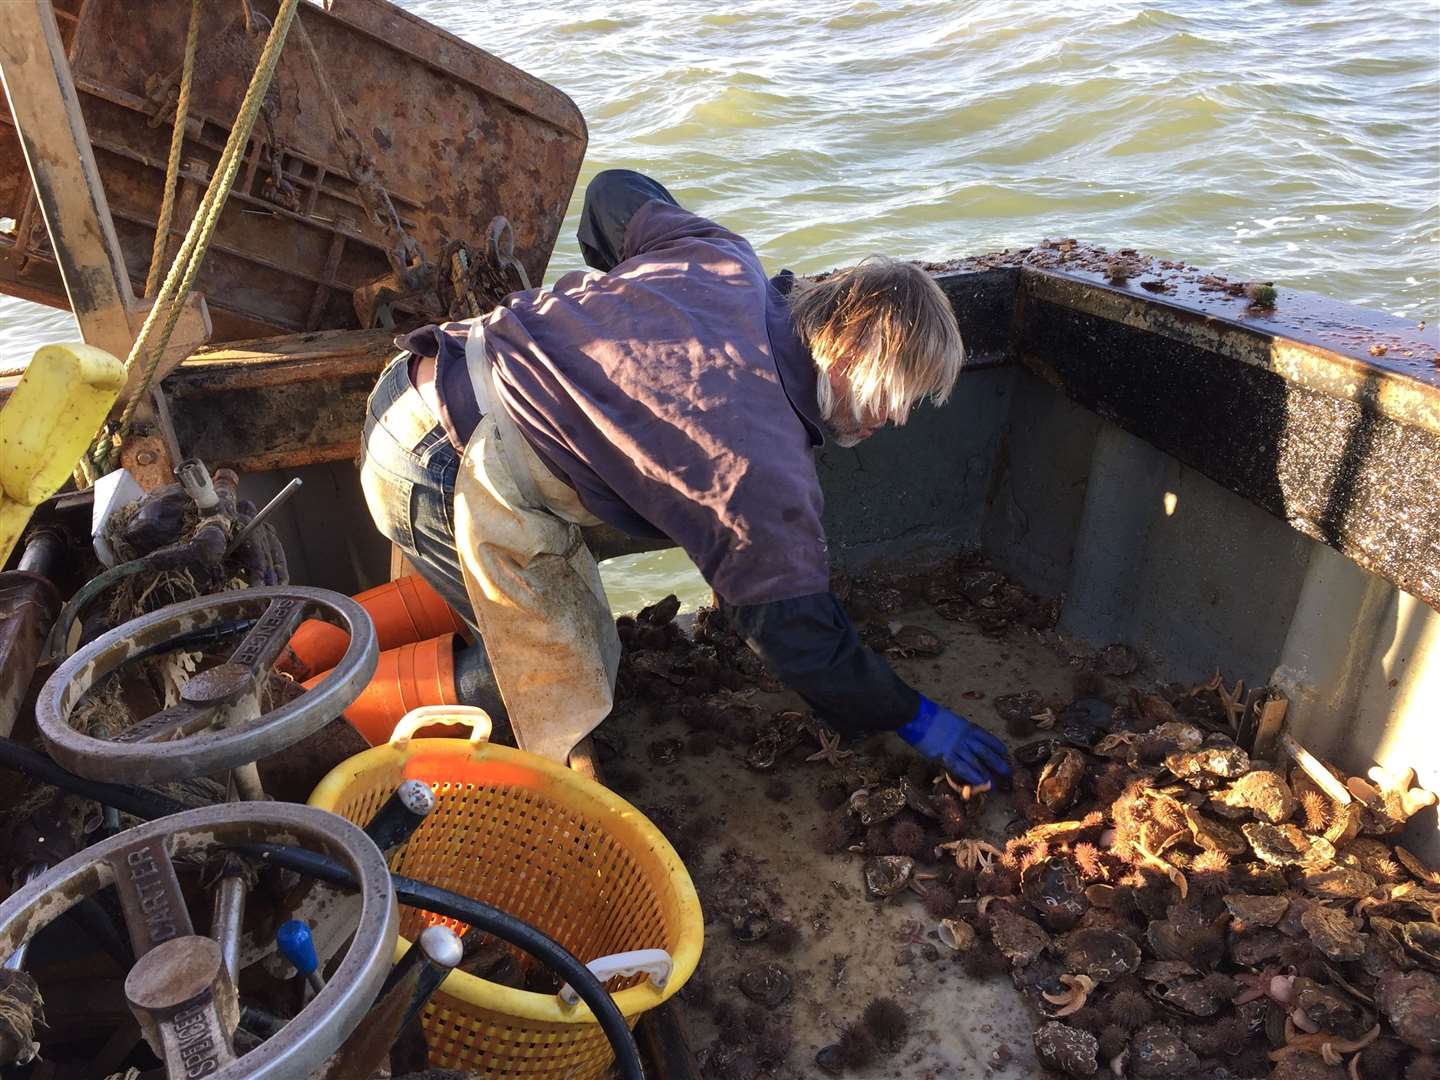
(265, 511)
(407, 988)
(247, 782)
(44, 552)
(417, 894)
(227, 918)
(401, 814)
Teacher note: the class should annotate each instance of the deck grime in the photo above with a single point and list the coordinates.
(751, 842)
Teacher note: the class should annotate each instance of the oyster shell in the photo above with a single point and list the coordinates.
(1262, 792)
(1333, 933)
(1035, 753)
(1118, 660)
(766, 984)
(1422, 940)
(875, 805)
(913, 641)
(1251, 911)
(1159, 1051)
(1411, 1002)
(1068, 1050)
(1212, 836)
(1257, 947)
(1338, 883)
(1207, 767)
(886, 875)
(1017, 708)
(1332, 1011)
(1060, 779)
(1197, 997)
(1056, 891)
(1021, 940)
(1286, 845)
(1162, 971)
(1102, 954)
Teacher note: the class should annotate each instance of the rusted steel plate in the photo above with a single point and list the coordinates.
(457, 136)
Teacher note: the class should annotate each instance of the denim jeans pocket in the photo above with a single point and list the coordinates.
(389, 498)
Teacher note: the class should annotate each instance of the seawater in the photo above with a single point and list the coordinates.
(1293, 140)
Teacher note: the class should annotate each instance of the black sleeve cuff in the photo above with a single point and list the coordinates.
(811, 646)
(611, 200)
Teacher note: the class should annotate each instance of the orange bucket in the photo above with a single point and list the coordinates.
(407, 677)
(404, 610)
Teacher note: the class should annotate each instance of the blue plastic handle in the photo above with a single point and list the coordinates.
(295, 944)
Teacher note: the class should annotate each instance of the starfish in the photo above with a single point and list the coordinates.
(965, 791)
(1255, 985)
(1231, 700)
(916, 885)
(972, 854)
(1391, 793)
(1116, 740)
(829, 748)
(1074, 997)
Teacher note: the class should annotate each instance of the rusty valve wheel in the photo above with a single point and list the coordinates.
(217, 723)
(179, 988)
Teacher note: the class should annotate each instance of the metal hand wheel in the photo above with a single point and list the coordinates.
(180, 989)
(217, 723)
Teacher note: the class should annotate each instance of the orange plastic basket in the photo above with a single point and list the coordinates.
(548, 846)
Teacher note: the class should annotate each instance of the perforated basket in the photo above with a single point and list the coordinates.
(549, 847)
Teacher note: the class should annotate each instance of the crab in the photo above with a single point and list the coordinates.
(1077, 992)
(972, 854)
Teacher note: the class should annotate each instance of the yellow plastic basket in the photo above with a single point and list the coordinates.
(547, 846)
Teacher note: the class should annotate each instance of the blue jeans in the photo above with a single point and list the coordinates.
(407, 470)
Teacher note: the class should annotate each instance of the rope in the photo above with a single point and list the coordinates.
(177, 143)
(169, 302)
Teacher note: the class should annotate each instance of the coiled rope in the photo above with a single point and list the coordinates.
(168, 302)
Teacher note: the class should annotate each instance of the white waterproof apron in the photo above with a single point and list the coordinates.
(534, 585)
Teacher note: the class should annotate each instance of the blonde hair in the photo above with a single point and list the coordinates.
(888, 328)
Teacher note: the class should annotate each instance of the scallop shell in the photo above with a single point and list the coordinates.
(956, 935)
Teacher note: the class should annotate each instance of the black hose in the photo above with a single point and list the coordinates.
(150, 805)
(492, 921)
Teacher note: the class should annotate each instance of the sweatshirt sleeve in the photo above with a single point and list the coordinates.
(811, 646)
(611, 200)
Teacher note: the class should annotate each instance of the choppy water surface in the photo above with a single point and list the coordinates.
(1285, 139)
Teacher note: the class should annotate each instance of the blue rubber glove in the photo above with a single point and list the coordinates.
(970, 752)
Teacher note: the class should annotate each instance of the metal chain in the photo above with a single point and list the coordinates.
(170, 301)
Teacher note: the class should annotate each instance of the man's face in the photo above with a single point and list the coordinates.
(843, 427)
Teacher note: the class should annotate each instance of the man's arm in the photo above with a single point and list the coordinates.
(811, 646)
(611, 200)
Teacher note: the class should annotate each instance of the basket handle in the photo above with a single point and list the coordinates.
(654, 962)
(471, 716)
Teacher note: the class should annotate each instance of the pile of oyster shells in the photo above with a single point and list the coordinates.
(1174, 908)
(1169, 905)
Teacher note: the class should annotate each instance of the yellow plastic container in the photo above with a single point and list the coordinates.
(48, 422)
(547, 846)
